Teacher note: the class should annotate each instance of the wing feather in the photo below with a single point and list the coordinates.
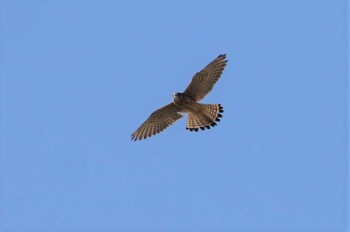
(203, 82)
(158, 121)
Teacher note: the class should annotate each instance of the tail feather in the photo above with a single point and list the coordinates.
(209, 115)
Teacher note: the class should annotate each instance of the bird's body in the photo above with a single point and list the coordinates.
(200, 116)
(185, 102)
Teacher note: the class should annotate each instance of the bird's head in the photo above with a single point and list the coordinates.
(177, 97)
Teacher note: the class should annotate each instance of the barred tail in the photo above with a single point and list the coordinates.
(206, 118)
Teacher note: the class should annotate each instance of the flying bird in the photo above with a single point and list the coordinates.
(200, 116)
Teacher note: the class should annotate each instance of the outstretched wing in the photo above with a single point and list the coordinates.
(203, 82)
(158, 121)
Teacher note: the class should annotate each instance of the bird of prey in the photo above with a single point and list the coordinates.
(200, 116)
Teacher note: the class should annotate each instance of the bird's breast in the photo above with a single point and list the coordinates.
(187, 103)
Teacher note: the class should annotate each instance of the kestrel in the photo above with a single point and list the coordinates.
(200, 116)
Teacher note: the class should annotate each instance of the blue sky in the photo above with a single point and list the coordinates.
(78, 77)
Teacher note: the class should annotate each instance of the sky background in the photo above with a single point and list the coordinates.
(79, 77)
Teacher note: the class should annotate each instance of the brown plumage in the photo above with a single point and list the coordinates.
(200, 116)
(208, 116)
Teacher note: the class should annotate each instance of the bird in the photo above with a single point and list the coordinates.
(200, 116)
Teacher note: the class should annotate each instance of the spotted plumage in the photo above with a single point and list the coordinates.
(200, 116)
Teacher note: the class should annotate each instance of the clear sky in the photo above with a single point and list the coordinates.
(79, 77)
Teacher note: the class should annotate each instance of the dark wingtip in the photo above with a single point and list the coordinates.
(208, 127)
(202, 128)
(133, 138)
(217, 119)
(213, 124)
(223, 59)
(196, 129)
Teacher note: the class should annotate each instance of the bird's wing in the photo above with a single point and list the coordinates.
(158, 121)
(203, 82)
